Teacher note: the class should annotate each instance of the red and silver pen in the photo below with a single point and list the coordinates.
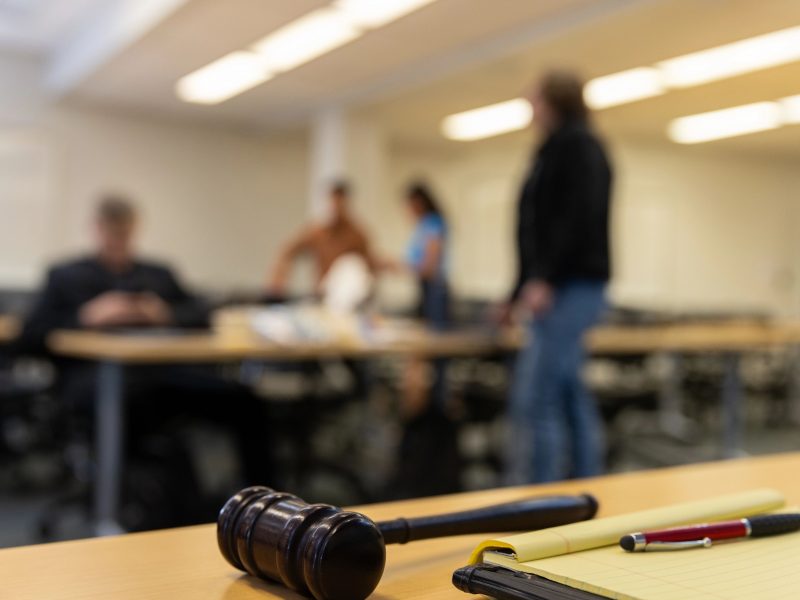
(701, 536)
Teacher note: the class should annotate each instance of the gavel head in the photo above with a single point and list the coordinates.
(314, 549)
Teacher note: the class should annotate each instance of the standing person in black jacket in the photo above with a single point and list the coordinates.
(563, 248)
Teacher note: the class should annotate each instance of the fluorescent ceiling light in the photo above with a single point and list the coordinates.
(725, 123)
(291, 46)
(371, 14)
(791, 109)
(305, 39)
(512, 115)
(752, 54)
(223, 79)
(623, 87)
(488, 121)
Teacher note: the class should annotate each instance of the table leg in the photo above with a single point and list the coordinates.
(671, 419)
(439, 394)
(732, 408)
(794, 385)
(109, 435)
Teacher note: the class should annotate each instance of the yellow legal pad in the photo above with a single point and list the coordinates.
(745, 570)
(587, 556)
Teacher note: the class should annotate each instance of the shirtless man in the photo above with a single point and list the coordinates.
(325, 243)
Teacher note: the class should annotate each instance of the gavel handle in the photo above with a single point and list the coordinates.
(524, 515)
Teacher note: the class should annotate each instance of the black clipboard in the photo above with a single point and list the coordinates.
(507, 584)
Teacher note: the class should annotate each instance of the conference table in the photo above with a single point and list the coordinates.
(730, 338)
(184, 563)
(114, 352)
(729, 335)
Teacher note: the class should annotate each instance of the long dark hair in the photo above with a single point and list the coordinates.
(421, 193)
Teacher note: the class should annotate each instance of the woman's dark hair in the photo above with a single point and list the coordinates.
(421, 193)
(563, 91)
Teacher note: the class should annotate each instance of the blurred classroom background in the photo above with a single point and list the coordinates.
(697, 358)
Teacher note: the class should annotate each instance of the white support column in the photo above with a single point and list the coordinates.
(355, 147)
(329, 156)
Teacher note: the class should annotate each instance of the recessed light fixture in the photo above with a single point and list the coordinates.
(488, 121)
(725, 123)
(752, 54)
(223, 79)
(624, 87)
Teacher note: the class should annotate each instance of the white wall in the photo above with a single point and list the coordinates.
(217, 202)
(693, 229)
(699, 231)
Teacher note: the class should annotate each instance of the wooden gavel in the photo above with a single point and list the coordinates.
(333, 554)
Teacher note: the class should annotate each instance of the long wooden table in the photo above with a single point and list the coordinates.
(729, 338)
(215, 348)
(114, 351)
(605, 339)
(722, 336)
(185, 563)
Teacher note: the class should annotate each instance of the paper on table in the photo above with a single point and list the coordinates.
(603, 532)
(756, 568)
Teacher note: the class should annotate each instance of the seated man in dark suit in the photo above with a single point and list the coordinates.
(114, 289)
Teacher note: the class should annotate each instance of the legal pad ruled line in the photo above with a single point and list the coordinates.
(734, 571)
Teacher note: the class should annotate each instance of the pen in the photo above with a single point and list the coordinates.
(702, 536)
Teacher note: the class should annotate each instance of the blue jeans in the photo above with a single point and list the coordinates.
(434, 303)
(556, 430)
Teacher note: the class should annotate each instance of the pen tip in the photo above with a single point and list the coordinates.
(627, 542)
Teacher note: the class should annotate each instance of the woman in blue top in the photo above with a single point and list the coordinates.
(427, 255)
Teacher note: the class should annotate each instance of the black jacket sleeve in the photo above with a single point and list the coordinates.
(187, 309)
(53, 309)
(524, 240)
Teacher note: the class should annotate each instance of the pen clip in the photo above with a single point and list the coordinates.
(702, 543)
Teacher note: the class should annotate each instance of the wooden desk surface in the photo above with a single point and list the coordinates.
(209, 347)
(722, 336)
(606, 339)
(185, 563)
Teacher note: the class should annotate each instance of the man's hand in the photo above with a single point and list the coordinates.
(501, 315)
(153, 310)
(108, 310)
(537, 297)
(275, 291)
(391, 265)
